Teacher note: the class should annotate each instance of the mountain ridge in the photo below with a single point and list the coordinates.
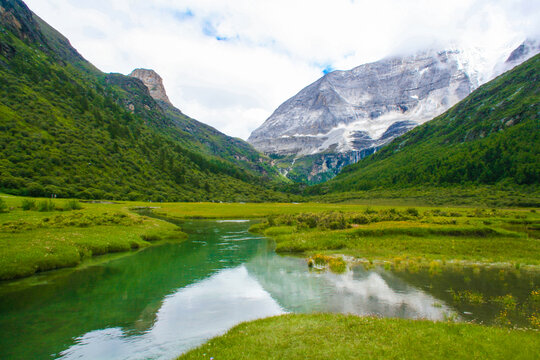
(72, 131)
(364, 102)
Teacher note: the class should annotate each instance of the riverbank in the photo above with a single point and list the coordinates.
(418, 236)
(42, 234)
(63, 233)
(336, 336)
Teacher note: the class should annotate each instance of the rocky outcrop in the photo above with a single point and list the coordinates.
(17, 18)
(523, 52)
(526, 50)
(153, 82)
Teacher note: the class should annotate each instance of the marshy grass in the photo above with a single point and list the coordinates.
(468, 297)
(28, 204)
(65, 234)
(369, 232)
(430, 234)
(45, 205)
(336, 264)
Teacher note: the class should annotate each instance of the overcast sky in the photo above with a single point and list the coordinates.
(230, 63)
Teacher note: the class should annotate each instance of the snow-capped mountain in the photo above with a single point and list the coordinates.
(346, 115)
(370, 105)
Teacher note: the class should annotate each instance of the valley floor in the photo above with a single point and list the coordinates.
(60, 233)
(63, 233)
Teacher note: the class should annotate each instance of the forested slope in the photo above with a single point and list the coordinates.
(68, 129)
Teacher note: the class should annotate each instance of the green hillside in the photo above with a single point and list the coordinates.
(68, 129)
(491, 138)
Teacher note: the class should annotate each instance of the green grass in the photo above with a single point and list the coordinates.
(501, 195)
(232, 210)
(208, 210)
(424, 234)
(488, 250)
(32, 241)
(330, 336)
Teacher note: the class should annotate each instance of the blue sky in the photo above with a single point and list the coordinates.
(231, 63)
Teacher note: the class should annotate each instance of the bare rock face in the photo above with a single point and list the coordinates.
(523, 52)
(366, 107)
(526, 50)
(153, 82)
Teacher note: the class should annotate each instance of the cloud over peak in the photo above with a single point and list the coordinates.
(230, 64)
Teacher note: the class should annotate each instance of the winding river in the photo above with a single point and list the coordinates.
(163, 300)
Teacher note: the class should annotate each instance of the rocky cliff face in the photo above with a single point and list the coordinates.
(367, 106)
(153, 82)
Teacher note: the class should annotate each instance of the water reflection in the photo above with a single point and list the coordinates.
(37, 322)
(185, 319)
(265, 285)
(359, 291)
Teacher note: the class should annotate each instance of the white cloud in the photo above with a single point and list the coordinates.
(270, 50)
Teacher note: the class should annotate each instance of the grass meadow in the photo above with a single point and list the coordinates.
(336, 336)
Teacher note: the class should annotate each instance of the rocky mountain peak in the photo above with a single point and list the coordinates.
(354, 110)
(527, 49)
(153, 82)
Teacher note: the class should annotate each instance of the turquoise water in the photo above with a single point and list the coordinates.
(166, 299)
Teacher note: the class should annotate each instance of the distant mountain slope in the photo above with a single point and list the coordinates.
(68, 129)
(351, 110)
(346, 115)
(491, 137)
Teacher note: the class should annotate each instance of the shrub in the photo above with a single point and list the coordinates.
(72, 205)
(412, 212)
(308, 220)
(361, 219)
(45, 205)
(150, 237)
(3, 206)
(370, 210)
(333, 221)
(28, 204)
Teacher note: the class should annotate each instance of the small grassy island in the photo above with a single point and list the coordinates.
(414, 235)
